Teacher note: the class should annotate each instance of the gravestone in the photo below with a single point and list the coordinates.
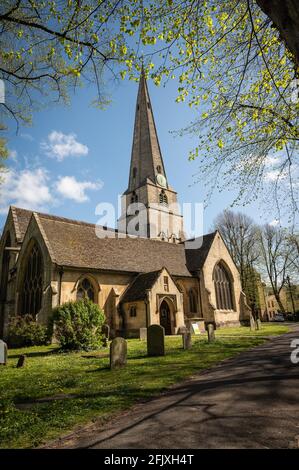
(155, 340)
(182, 330)
(211, 332)
(187, 340)
(21, 361)
(143, 333)
(118, 353)
(3, 352)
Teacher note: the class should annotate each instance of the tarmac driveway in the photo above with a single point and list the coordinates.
(250, 401)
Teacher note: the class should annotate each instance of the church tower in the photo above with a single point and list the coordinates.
(149, 197)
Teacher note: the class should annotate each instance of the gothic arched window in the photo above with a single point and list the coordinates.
(85, 290)
(31, 295)
(192, 301)
(223, 288)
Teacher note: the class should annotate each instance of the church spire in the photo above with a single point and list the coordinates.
(146, 157)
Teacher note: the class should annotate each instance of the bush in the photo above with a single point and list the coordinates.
(25, 331)
(78, 325)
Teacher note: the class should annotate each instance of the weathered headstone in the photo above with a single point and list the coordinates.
(211, 332)
(21, 361)
(252, 322)
(182, 330)
(118, 353)
(143, 334)
(3, 352)
(155, 340)
(187, 340)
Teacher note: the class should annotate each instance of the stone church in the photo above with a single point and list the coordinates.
(137, 280)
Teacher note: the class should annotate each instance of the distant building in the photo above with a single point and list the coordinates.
(289, 298)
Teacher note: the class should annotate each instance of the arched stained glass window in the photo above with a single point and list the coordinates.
(85, 290)
(31, 295)
(223, 288)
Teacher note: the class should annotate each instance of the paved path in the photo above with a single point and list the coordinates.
(250, 401)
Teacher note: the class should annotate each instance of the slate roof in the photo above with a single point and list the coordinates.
(195, 258)
(75, 244)
(137, 289)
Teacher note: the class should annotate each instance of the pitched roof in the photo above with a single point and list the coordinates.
(195, 258)
(137, 289)
(75, 244)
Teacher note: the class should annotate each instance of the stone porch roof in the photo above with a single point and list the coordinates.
(137, 289)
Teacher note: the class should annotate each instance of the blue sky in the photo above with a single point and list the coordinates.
(74, 157)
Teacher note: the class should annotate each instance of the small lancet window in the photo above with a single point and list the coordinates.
(133, 311)
(159, 169)
(134, 172)
(134, 197)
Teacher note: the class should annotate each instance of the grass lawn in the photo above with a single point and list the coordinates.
(56, 391)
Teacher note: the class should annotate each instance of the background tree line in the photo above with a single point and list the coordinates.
(268, 250)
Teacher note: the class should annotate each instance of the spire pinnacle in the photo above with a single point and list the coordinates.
(146, 158)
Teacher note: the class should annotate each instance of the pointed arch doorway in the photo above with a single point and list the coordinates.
(165, 318)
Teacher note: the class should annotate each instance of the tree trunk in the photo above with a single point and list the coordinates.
(285, 17)
(281, 307)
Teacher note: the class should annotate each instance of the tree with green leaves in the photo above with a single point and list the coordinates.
(236, 63)
(241, 80)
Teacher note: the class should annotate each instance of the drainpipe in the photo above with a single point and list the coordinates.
(199, 292)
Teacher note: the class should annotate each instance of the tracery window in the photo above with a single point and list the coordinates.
(223, 288)
(31, 295)
(85, 290)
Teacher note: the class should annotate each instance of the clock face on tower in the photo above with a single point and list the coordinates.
(161, 180)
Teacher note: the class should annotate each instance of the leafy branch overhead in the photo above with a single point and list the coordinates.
(236, 63)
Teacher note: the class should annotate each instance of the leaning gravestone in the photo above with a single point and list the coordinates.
(211, 332)
(155, 340)
(118, 353)
(3, 352)
(187, 340)
(143, 333)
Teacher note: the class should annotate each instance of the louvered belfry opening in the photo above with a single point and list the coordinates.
(31, 296)
(223, 288)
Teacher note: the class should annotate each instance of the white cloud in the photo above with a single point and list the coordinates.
(27, 137)
(274, 222)
(274, 175)
(271, 160)
(28, 189)
(61, 146)
(70, 188)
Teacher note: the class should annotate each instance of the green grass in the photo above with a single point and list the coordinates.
(56, 391)
(267, 329)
